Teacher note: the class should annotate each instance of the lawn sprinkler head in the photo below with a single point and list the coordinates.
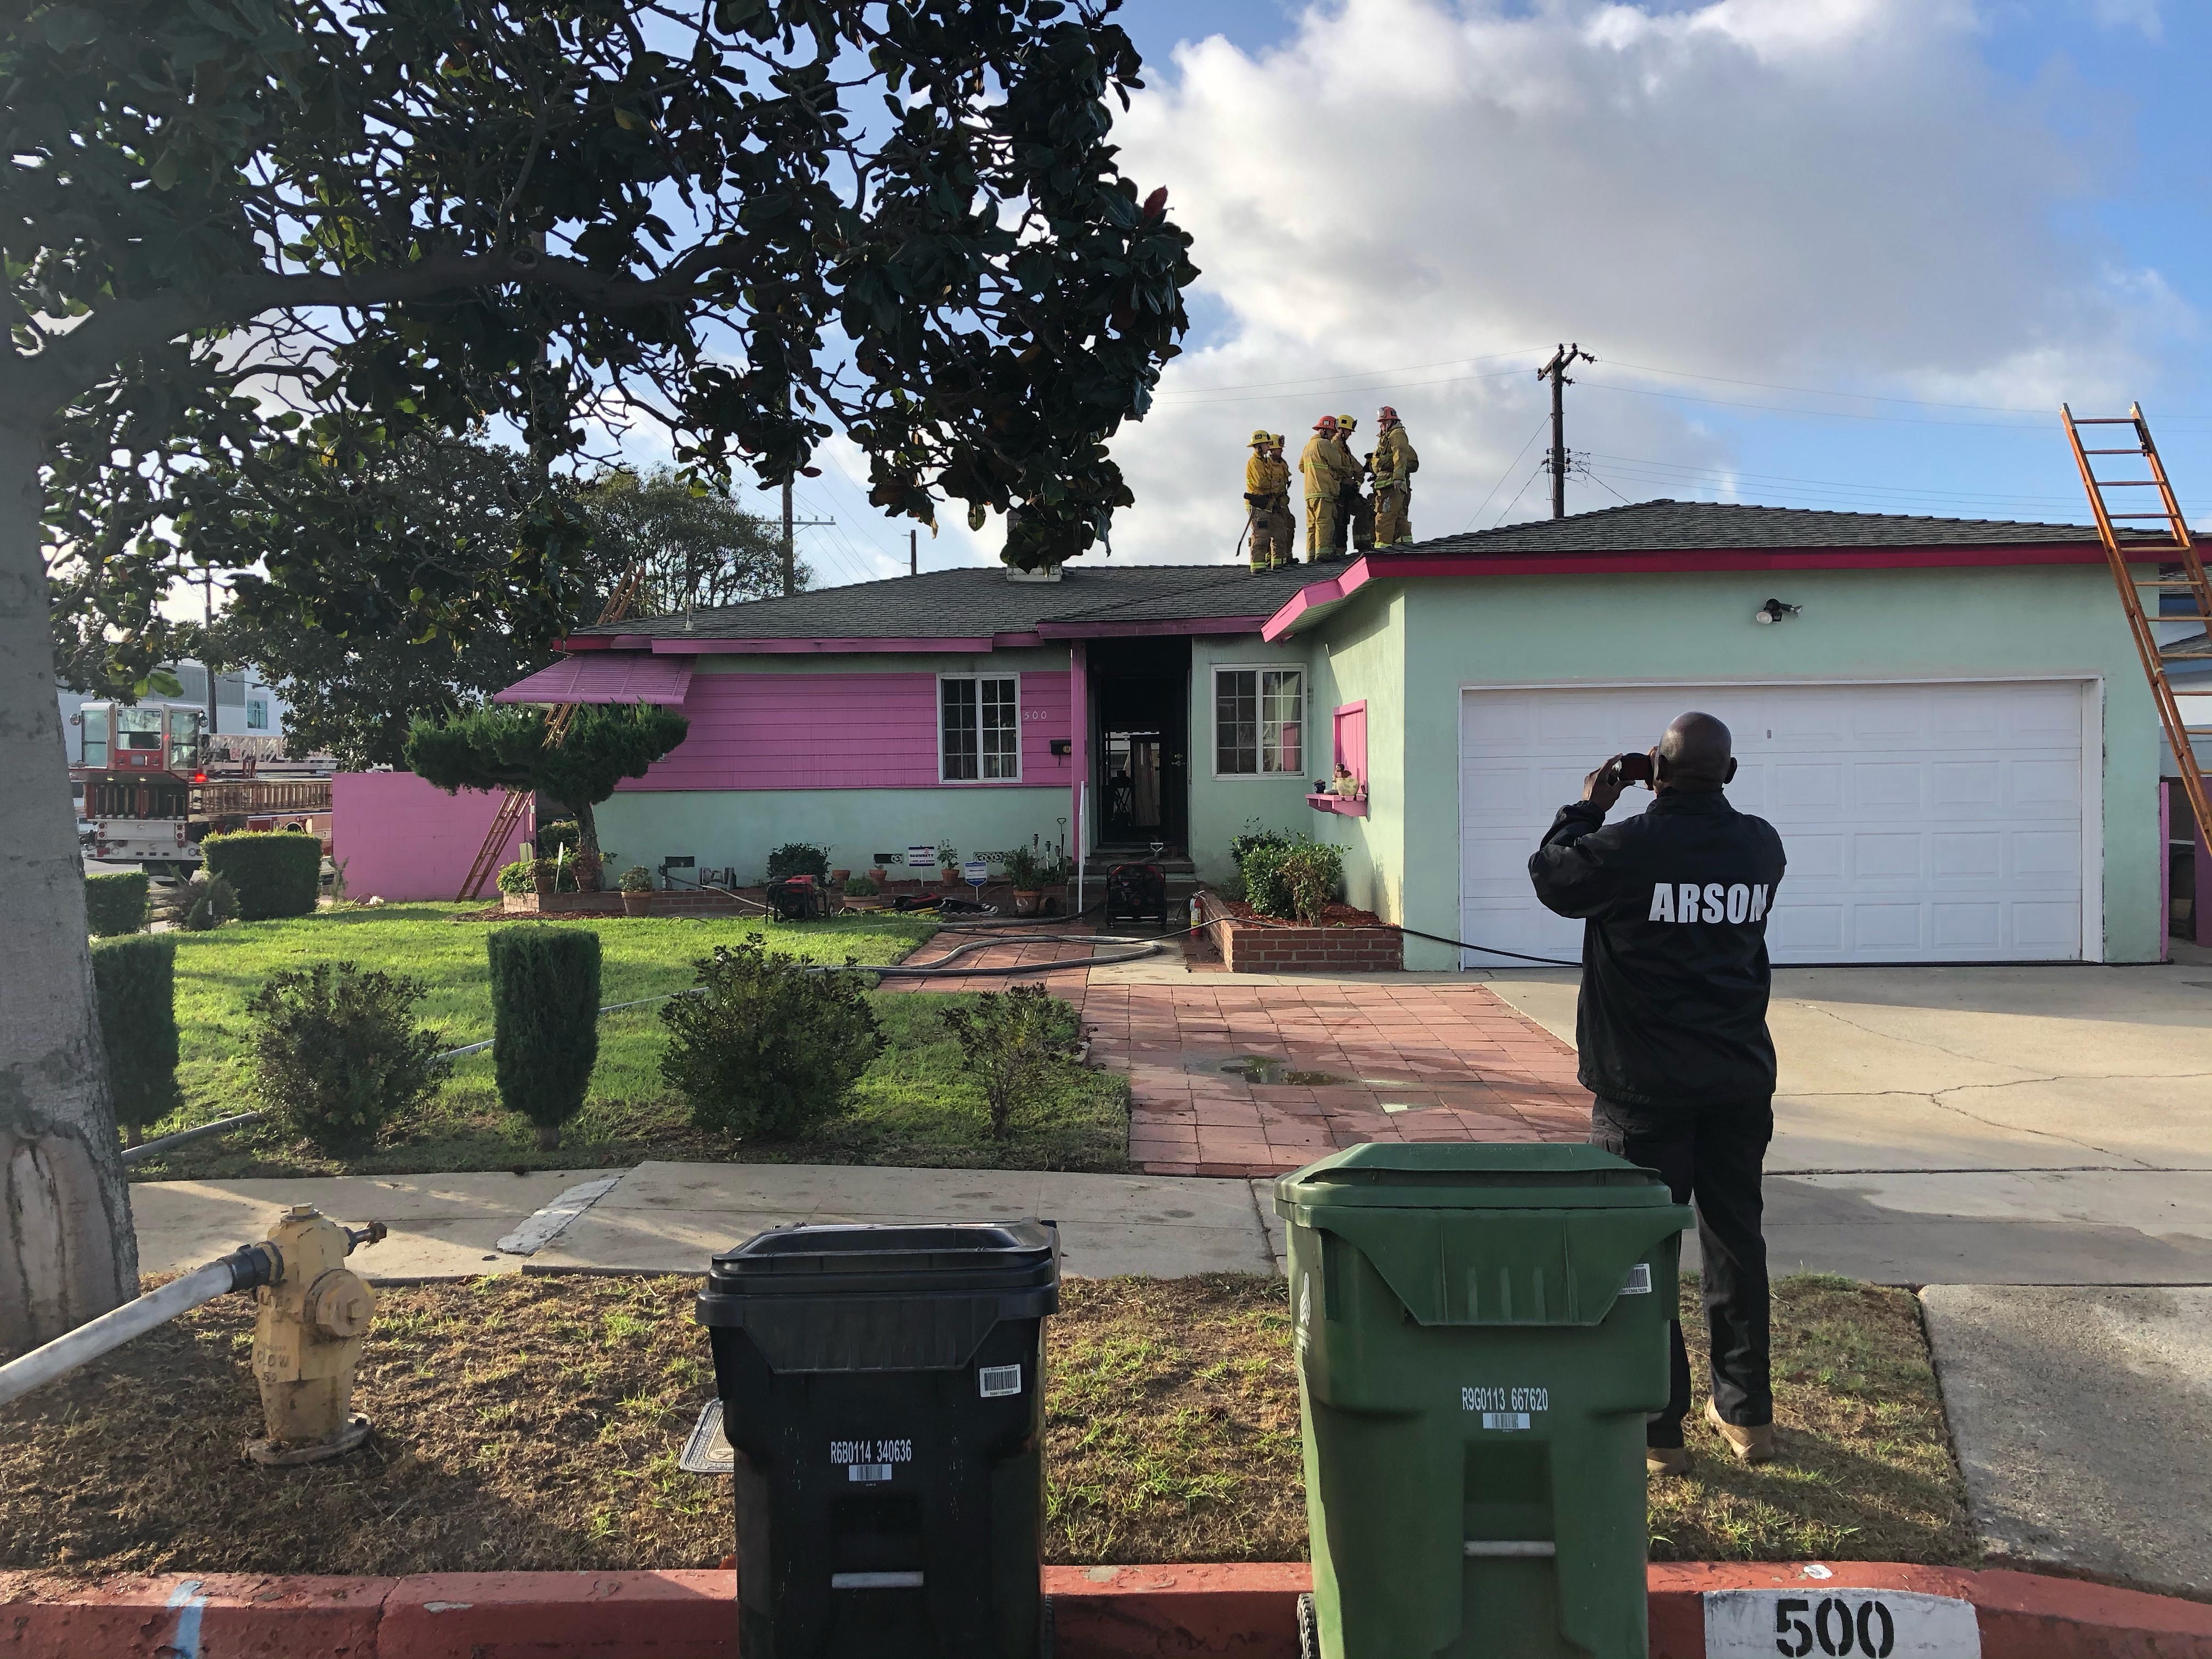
(306, 1340)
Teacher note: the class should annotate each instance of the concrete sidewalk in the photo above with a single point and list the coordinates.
(672, 1218)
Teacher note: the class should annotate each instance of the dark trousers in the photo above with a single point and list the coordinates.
(1713, 1157)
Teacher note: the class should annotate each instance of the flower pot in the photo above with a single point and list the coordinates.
(637, 904)
(951, 874)
(1028, 902)
(840, 877)
(543, 886)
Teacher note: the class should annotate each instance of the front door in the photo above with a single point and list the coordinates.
(1139, 691)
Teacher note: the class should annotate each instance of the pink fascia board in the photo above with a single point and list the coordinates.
(613, 677)
(1404, 567)
(841, 730)
(695, 646)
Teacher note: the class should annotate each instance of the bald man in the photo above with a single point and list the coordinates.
(1671, 1027)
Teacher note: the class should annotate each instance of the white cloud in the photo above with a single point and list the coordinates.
(1812, 192)
(2142, 15)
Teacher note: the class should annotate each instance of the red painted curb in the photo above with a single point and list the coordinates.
(1101, 1613)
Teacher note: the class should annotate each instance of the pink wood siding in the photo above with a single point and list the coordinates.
(838, 732)
(399, 838)
(1352, 739)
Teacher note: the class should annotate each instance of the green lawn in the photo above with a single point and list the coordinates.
(913, 1106)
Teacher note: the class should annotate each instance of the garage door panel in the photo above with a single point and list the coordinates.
(1923, 822)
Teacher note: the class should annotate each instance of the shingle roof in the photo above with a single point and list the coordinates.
(978, 601)
(1663, 526)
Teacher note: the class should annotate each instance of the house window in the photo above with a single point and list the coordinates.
(256, 714)
(1259, 721)
(980, 727)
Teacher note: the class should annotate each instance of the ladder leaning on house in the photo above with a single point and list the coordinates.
(517, 801)
(2180, 570)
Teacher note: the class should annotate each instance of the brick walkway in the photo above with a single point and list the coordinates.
(1249, 1075)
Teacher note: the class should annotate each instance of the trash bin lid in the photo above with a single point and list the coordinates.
(864, 1259)
(1470, 1175)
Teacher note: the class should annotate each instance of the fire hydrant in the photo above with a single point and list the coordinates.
(306, 1341)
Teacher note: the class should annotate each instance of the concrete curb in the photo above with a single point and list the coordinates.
(1101, 1613)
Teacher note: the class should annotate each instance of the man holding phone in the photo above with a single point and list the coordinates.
(1671, 1027)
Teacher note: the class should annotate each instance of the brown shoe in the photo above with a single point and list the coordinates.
(1750, 1445)
(1659, 1461)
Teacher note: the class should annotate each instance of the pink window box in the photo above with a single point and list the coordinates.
(1337, 804)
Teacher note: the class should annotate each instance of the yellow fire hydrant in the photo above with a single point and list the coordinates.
(306, 1341)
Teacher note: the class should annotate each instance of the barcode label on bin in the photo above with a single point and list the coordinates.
(1639, 1280)
(870, 1460)
(1505, 1419)
(996, 1382)
(867, 1471)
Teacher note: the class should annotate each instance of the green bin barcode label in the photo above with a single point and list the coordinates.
(996, 1382)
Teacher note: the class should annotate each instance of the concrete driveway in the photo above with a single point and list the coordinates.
(1989, 1126)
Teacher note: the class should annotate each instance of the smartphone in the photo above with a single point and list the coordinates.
(1633, 768)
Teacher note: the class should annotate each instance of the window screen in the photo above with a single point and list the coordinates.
(1259, 721)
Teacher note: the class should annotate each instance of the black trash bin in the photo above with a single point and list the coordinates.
(882, 1388)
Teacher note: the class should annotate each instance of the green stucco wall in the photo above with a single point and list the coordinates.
(2009, 622)
(1360, 657)
(1221, 808)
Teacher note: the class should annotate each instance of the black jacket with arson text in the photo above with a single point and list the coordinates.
(1674, 972)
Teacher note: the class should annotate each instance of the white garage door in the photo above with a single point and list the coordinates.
(1927, 823)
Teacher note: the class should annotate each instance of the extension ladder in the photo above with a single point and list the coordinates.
(2180, 570)
(517, 801)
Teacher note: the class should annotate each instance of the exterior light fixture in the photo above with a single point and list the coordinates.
(1774, 610)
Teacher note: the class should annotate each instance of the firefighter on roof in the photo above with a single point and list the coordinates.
(1356, 519)
(1393, 464)
(1326, 466)
(1268, 503)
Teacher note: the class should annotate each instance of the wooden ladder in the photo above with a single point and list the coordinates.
(517, 801)
(2180, 570)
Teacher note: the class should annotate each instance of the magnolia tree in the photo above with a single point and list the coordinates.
(247, 239)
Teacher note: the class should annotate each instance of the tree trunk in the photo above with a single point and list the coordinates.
(67, 1252)
(587, 827)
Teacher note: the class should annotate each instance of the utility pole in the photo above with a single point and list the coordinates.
(207, 656)
(913, 555)
(1556, 372)
(790, 557)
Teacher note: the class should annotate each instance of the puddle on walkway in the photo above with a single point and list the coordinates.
(1263, 1068)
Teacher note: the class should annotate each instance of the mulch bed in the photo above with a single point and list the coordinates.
(1336, 915)
(533, 1424)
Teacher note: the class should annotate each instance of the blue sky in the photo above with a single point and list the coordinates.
(1830, 253)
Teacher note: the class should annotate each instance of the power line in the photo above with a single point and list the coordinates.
(1868, 397)
(1355, 374)
(1821, 414)
(1556, 372)
(1504, 476)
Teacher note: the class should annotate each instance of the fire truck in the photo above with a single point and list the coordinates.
(149, 788)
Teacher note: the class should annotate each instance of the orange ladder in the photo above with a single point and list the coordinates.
(517, 801)
(2180, 570)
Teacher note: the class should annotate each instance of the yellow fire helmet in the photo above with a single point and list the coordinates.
(1260, 437)
(1346, 422)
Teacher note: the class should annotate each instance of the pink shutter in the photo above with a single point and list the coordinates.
(1352, 739)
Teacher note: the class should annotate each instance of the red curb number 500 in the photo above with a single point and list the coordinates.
(1870, 1632)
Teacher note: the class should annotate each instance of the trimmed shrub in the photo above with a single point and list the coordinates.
(275, 873)
(115, 904)
(545, 1022)
(338, 1054)
(1267, 888)
(516, 878)
(767, 1049)
(209, 902)
(135, 983)
(862, 886)
(1314, 872)
(1017, 1041)
(798, 858)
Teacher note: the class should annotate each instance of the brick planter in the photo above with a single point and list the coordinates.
(1275, 947)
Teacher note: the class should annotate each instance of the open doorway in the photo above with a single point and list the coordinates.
(1141, 712)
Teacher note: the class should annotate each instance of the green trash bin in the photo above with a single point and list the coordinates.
(1481, 1334)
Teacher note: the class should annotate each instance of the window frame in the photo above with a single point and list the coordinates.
(976, 679)
(1260, 775)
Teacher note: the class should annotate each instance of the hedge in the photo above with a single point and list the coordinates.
(134, 980)
(115, 904)
(546, 1021)
(275, 873)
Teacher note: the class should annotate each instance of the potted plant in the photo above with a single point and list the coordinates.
(588, 870)
(1024, 868)
(840, 877)
(545, 876)
(861, 893)
(948, 863)
(637, 891)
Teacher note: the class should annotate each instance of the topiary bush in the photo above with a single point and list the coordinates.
(115, 903)
(516, 878)
(767, 1049)
(337, 1054)
(275, 873)
(135, 980)
(1017, 1042)
(798, 858)
(545, 1022)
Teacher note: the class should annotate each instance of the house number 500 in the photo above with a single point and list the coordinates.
(1800, 1623)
